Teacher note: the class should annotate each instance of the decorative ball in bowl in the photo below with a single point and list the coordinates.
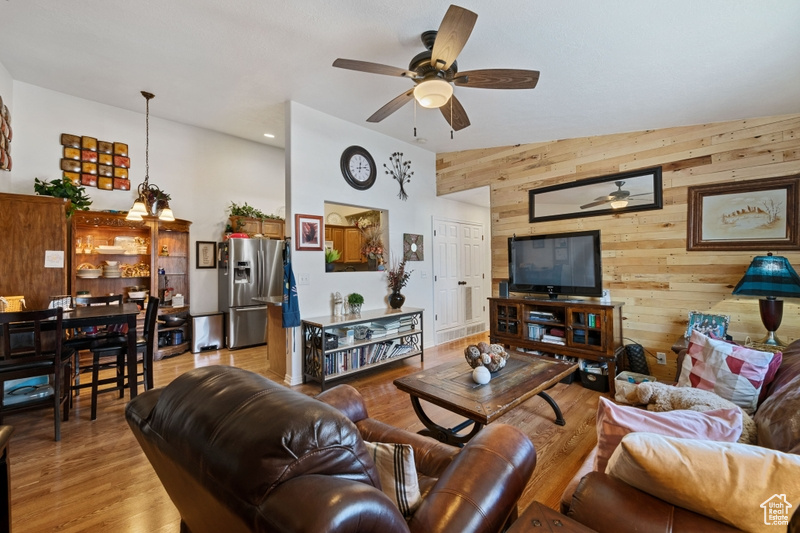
(491, 356)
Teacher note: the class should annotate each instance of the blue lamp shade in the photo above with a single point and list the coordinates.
(769, 275)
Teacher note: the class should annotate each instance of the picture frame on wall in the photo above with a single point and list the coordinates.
(206, 254)
(308, 233)
(749, 215)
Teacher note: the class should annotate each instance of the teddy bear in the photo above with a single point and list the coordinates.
(662, 397)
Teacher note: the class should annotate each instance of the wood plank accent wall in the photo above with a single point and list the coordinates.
(645, 261)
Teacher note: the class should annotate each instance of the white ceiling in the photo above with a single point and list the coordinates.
(606, 66)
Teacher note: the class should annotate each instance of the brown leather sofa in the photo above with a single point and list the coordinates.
(237, 452)
(608, 505)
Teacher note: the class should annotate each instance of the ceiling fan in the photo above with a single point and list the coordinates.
(617, 199)
(434, 72)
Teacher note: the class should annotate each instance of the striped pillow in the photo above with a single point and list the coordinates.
(398, 474)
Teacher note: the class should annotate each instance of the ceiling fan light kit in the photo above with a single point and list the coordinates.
(435, 72)
(433, 93)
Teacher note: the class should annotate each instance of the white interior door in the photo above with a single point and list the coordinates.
(459, 251)
(471, 266)
(447, 294)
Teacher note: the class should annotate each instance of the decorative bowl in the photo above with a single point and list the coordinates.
(491, 356)
(173, 321)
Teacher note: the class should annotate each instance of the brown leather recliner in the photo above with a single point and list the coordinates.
(238, 452)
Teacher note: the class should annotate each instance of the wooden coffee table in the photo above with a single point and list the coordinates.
(451, 386)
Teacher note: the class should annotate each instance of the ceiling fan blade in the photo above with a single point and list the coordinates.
(641, 194)
(460, 119)
(498, 78)
(594, 204)
(392, 106)
(373, 68)
(453, 33)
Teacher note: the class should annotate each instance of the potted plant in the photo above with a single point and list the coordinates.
(398, 277)
(246, 218)
(156, 199)
(64, 188)
(331, 255)
(354, 300)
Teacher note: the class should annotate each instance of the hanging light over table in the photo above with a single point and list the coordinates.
(150, 200)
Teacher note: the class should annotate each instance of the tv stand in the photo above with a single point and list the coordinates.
(590, 330)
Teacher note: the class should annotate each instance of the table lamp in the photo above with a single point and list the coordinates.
(770, 276)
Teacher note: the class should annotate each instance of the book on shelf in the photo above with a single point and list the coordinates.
(552, 339)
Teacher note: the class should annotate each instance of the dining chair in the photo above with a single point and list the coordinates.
(32, 345)
(112, 354)
(108, 347)
(79, 340)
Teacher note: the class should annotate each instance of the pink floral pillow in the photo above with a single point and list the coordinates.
(615, 421)
(733, 372)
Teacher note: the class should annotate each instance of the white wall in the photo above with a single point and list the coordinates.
(314, 147)
(7, 92)
(202, 170)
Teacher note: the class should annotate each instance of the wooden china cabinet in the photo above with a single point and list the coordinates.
(139, 249)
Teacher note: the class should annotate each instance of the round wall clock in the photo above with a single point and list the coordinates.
(412, 247)
(358, 168)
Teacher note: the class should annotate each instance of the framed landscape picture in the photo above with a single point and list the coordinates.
(758, 214)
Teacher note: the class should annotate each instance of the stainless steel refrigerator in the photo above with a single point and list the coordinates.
(248, 269)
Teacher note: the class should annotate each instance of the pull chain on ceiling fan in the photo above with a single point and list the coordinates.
(434, 72)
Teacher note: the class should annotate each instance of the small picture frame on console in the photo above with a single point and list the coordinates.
(715, 326)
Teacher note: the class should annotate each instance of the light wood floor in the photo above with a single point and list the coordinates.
(97, 478)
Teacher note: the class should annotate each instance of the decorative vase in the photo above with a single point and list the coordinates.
(329, 267)
(396, 300)
(372, 263)
(355, 309)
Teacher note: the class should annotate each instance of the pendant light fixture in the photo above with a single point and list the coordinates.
(150, 200)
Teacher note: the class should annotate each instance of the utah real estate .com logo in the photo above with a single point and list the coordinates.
(776, 510)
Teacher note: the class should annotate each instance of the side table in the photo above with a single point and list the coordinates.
(539, 518)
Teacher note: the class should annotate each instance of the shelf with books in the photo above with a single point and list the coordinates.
(378, 337)
(577, 328)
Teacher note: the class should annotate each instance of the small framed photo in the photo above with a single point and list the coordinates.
(715, 326)
(206, 254)
(308, 232)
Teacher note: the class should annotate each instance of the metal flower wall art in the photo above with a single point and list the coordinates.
(401, 171)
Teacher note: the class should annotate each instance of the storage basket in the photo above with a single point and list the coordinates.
(11, 304)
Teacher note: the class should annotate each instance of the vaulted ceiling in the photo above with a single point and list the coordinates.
(606, 66)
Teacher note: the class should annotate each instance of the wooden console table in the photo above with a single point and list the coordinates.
(586, 329)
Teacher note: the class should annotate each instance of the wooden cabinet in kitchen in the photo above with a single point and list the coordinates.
(348, 241)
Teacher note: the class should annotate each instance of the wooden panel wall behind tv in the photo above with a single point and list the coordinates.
(645, 262)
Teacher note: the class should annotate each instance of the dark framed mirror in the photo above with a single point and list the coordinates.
(639, 190)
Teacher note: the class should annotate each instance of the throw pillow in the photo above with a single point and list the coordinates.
(733, 372)
(777, 359)
(616, 421)
(738, 484)
(398, 474)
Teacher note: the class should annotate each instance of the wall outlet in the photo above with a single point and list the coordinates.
(423, 274)
(661, 358)
(304, 278)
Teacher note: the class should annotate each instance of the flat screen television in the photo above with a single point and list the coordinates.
(556, 264)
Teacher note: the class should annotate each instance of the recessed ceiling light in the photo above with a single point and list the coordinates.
(271, 136)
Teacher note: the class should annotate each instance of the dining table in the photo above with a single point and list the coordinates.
(105, 315)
